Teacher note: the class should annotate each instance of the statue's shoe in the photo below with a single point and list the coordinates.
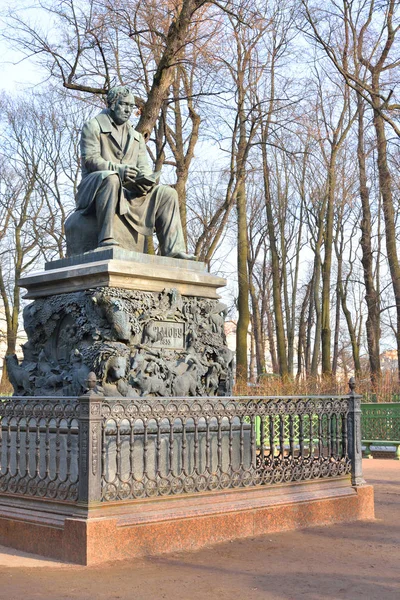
(183, 255)
(108, 242)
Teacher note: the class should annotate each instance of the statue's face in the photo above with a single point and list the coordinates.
(122, 109)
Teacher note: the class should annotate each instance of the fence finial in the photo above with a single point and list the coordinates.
(91, 386)
(352, 385)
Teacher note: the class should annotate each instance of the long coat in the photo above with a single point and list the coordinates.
(102, 156)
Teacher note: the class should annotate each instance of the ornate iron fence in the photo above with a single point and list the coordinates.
(39, 447)
(159, 447)
(94, 449)
(380, 426)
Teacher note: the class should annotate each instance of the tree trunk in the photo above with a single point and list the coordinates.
(253, 365)
(335, 357)
(301, 343)
(326, 271)
(276, 283)
(271, 336)
(385, 184)
(176, 140)
(163, 77)
(294, 297)
(371, 294)
(310, 324)
(243, 285)
(257, 332)
(317, 308)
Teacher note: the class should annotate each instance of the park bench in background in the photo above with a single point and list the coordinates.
(380, 426)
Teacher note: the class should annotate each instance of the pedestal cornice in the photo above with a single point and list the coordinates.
(129, 270)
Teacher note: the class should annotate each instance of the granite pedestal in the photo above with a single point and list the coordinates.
(153, 527)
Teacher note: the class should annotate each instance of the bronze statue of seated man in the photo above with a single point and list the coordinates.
(118, 200)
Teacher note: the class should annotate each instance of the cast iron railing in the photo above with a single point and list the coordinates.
(160, 447)
(39, 447)
(380, 426)
(94, 449)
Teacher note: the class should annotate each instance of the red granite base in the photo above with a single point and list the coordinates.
(151, 527)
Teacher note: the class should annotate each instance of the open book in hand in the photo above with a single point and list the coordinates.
(143, 183)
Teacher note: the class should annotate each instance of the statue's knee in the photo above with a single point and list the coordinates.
(111, 182)
(170, 194)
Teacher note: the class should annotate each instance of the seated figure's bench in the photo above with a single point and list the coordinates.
(380, 426)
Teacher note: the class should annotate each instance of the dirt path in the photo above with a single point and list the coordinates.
(356, 561)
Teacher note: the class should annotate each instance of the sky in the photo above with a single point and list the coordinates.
(17, 75)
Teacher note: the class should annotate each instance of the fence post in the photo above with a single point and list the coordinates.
(90, 439)
(354, 433)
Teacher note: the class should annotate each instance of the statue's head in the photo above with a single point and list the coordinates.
(121, 103)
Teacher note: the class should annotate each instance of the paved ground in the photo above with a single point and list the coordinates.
(353, 561)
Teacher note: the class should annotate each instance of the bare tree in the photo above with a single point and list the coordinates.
(34, 147)
(371, 45)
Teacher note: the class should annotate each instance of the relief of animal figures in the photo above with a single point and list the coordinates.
(76, 378)
(217, 317)
(226, 358)
(113, 382)
(18, 376)
(212, 378)
(113, 310)
(150, 334)
(50, 376)
(189, 383)
(128, 324)
(150, 385)
(170, 302)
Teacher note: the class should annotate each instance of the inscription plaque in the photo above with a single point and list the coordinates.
(169, 334)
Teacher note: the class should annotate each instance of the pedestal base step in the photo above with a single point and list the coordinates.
(151, 527)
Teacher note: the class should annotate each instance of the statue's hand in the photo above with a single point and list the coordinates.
(144, 188)
(138, 183)
(130, 173)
